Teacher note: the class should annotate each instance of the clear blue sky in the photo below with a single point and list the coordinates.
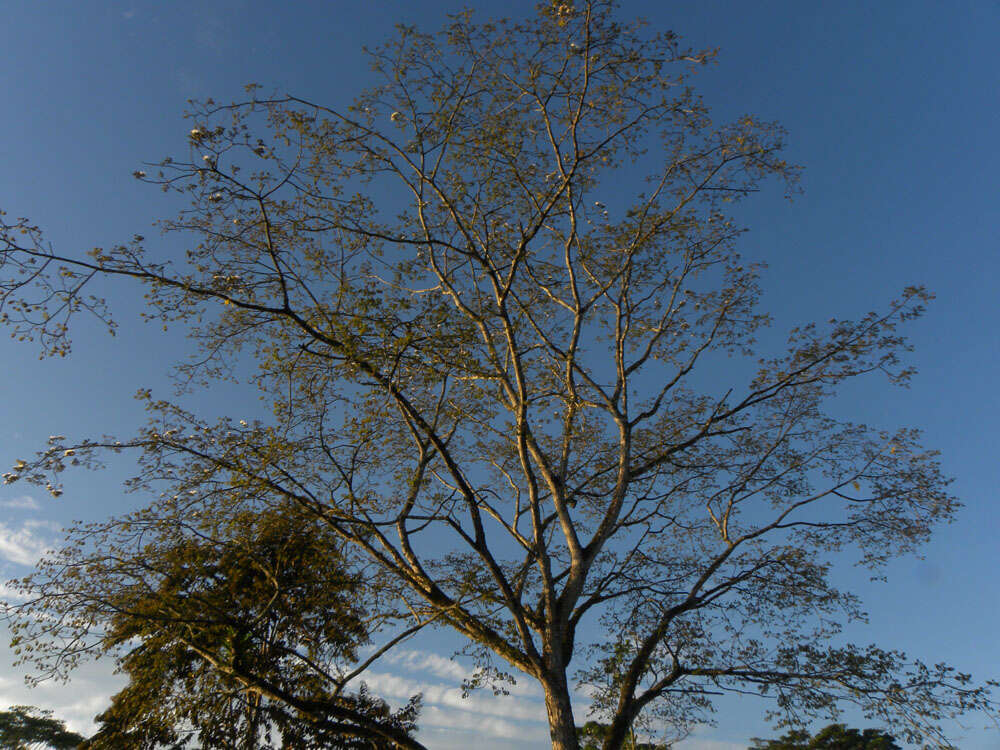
(892, 107)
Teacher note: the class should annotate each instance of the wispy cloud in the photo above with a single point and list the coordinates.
(24, 545)
(516, 720)
(455, 720)
(24, 502)
(10, 594)
(428, 662)
(504, 707)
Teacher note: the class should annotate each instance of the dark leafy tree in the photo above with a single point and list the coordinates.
(237, 625)
(27, 727)
(510, 345)
(833, 737)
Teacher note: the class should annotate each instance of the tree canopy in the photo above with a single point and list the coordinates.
(27, 727)
(510, 346)
(235, 622)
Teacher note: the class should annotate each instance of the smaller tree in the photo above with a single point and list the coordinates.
(24, 727)
(833, 737)
(237, 622)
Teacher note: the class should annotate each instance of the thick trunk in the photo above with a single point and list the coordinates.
(620, 735)
(562, 727)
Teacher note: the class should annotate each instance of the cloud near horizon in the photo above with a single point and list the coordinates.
(448, 721)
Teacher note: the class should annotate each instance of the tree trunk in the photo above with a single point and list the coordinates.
(621, 735)
(562, 727)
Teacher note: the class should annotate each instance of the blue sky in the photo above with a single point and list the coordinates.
(892, 107)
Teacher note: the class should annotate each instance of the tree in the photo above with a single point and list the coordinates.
(25, 727)
(833, 737)
(235, 623)
(495, 373)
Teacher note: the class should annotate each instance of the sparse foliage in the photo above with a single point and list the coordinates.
(499, 313)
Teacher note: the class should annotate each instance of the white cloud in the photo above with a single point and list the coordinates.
(24, 502)
(456, 720)
(428, 663)
(24, 545)
(425, 661)
(504, 707)
(9, 594)
(80, 713)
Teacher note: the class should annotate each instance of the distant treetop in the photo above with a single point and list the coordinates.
(833, 737)
(24, 727)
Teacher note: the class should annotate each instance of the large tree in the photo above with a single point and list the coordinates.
(497, 307)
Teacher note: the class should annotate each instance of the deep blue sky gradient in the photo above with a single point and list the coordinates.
(893, 108)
